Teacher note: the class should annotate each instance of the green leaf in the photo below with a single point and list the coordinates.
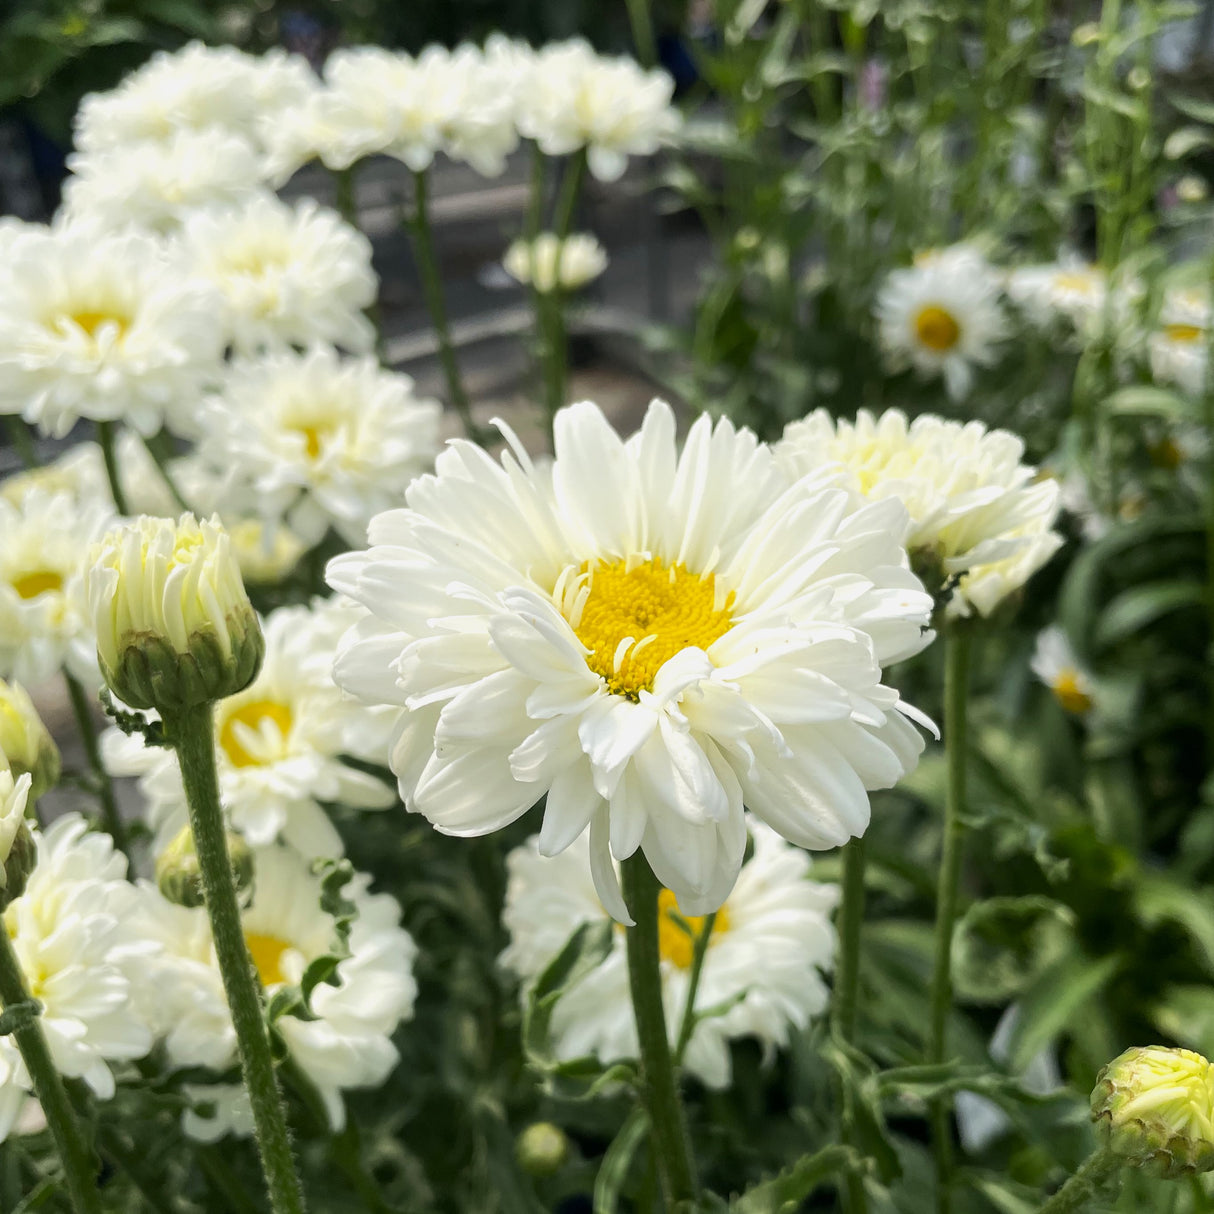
(583, 952)
(1003, 944)
(617, 1161)
(1136, 608)
(796, 1182)
(1157, 899)
(1142, 400)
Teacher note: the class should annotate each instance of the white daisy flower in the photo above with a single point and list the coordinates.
(771, 942)
(156, 186)
(1055, 664)
(104, 326)
(1070, 288)
(76, 931)
(647, 638)
(44, 617)
(280, 743)
(942, 318)
(195, 88)
(349, 1044)
(289, 275)
(973, 505)
(318, 440)
(611, 106)
(580, 259)
(1178, 347)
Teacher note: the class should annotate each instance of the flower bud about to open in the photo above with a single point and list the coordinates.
(179, 875)
(175, 628)
(1154, 1107)
(25, 742)
(18, 851)
(542, 1148)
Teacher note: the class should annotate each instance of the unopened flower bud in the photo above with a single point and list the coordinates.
(25, 742)
(1154, 1107)
(542, 1148)
(179, 875)
(18, 853)
(580, 259)
(174, 625)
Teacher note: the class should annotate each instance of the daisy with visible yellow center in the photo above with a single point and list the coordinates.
(1070, 290)
(772, 942)
(942, 316)
(1055, 664)
(1178, 348)
(645, 637)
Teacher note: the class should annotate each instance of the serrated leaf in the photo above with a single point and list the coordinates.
(797, 1182)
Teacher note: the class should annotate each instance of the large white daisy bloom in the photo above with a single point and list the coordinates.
(1178, 347)
(574, 98)
(77, 933)
(573, 262)
(974, 506)
(280, 743)
(104, 326)
(44, 617)
(348, 1045)
(192, 89)
(942, 317)
(770, 943)
(318, 440)
(288, 275)
(155, 186)
(648, 638)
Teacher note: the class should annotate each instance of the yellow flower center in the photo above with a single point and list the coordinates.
(937, 328)
(267, 952)
(1184, 333)
(92, 319)
(1068, 692)
(1083, 281)
(677, 942)
(314, 435)
(634, 616)
(37, 581)
(253, 714)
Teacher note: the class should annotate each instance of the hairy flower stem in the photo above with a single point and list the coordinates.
(956, 686)
(847, 993)
(79, 1166)
(22, 441)
(105, 436)
(110, 817)
(552, 305)
(670, 1141)
(432, 287)
(1094, 1173)
(192, 733)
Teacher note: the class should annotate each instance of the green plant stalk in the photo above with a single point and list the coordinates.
(110, 817)
(105, 436)
(1093, 1174)
(162, 466)
(343, 189)
(79, 1167)
(432, 288)
(699, 952)
(1208, 410)
(660, 1082)
(956, 687)
(192, 733)
(641, 21)
(22, 441)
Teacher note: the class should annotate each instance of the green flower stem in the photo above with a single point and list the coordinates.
(670, 1142)
(79, 1166)
(956, 686)
(162, 466)
(22, 440)
(699, 952)
(641, 20)
(432, 286)
(110, 817)
(847, 993)
(105, 436)
(192, 733)
(343, 188)
(1208, 410)
(1100, 1167)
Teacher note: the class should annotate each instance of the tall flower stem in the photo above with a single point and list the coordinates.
(192, 733)
(22, 441)
(105, 436)
(671, 1143)
(432, 286)
(956, 687)
(641, 21)
(847, 992)
(82, 709)
(79, 1166)
(1092, 1176)
(699, 952)
(162, 466)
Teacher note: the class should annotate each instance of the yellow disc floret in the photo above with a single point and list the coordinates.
(38, 581)
(677, 942)
(1069, 691)
(267, 952)
(634, 615)
(937, 328)
(253, 714)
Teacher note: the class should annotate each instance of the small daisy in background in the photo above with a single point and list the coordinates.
(547, 261)
(1070, 289)
(771, 946)
(1055, 663)
(1178, 347)
(943, 317)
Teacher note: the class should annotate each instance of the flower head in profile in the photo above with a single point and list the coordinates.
(25, 742)
(17, 854)
(1055, 664)
(103, 326)
(943, 318)
(770, 944)
(976, 512)
(645, 637)
(79, 939)
(547, 260)
(1178, 346)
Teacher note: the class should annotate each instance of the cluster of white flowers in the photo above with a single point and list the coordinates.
(548, 261)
